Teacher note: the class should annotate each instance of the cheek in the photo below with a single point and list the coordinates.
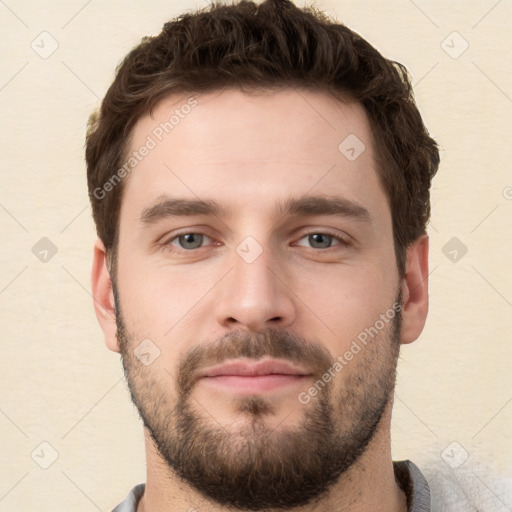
(344, 303)
(159, 299)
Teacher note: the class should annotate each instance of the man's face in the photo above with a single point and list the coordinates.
(255, 282)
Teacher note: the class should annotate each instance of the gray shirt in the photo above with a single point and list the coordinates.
(408, 476)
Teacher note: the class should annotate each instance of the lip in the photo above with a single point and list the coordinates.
(253, 377)
(254, 369)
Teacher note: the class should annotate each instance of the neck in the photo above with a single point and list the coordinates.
(368, 485)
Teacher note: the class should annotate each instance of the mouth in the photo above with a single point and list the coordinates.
(250, 377)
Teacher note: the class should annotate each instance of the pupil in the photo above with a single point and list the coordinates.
(319, 238)
(189, 239)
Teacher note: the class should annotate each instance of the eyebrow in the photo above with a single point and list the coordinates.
(165, 207)
(168, 207)
(322, 205)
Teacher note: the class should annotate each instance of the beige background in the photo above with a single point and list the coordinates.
(60, 385)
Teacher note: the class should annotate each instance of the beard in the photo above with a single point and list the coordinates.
(251, 466)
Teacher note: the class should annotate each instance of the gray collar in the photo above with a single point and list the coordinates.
(414, 484)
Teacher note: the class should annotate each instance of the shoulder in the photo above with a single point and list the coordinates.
(468, 488)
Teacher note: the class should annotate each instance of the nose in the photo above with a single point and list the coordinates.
(255, 295)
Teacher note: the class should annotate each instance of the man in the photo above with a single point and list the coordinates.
(262, 357)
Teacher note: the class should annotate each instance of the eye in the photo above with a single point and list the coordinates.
(187, 241)
(323, 240)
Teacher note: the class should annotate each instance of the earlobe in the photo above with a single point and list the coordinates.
(415, 290)
(104, 304)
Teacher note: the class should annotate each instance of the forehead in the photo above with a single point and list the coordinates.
(249, 150)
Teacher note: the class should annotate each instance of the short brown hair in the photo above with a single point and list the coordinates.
(262, 47)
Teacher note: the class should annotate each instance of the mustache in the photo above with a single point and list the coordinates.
(272, 343)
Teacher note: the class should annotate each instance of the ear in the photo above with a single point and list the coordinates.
(103, 296)
(415, 290)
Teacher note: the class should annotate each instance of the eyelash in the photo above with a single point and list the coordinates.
(167, 245)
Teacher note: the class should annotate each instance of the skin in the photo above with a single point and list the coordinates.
(248, 152)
